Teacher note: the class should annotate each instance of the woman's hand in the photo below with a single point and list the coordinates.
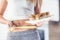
(39, 24)
(10, 24)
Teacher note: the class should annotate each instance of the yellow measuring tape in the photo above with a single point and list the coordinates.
(21, 27)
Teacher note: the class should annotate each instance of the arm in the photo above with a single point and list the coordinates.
(40, 4)
(3, 5)
(37, 8)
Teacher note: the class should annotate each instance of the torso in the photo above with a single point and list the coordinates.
(18, 9)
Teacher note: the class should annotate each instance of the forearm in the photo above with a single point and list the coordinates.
(3, 20)
(40, 4)
(37, 8)
(3, 5)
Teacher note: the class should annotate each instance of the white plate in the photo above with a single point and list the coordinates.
(40, 20)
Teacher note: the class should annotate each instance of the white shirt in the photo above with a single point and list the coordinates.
(18, 9)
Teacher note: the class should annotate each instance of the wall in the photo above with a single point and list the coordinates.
(51, 6)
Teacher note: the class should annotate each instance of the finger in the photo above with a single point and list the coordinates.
(10, 25)
(14, 25)
(39, 24)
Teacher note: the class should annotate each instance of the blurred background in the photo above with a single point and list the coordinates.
(52, 6)
(54, 24)
(51, 28)
(54, 30)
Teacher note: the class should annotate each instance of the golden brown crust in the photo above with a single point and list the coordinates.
(39, 15)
